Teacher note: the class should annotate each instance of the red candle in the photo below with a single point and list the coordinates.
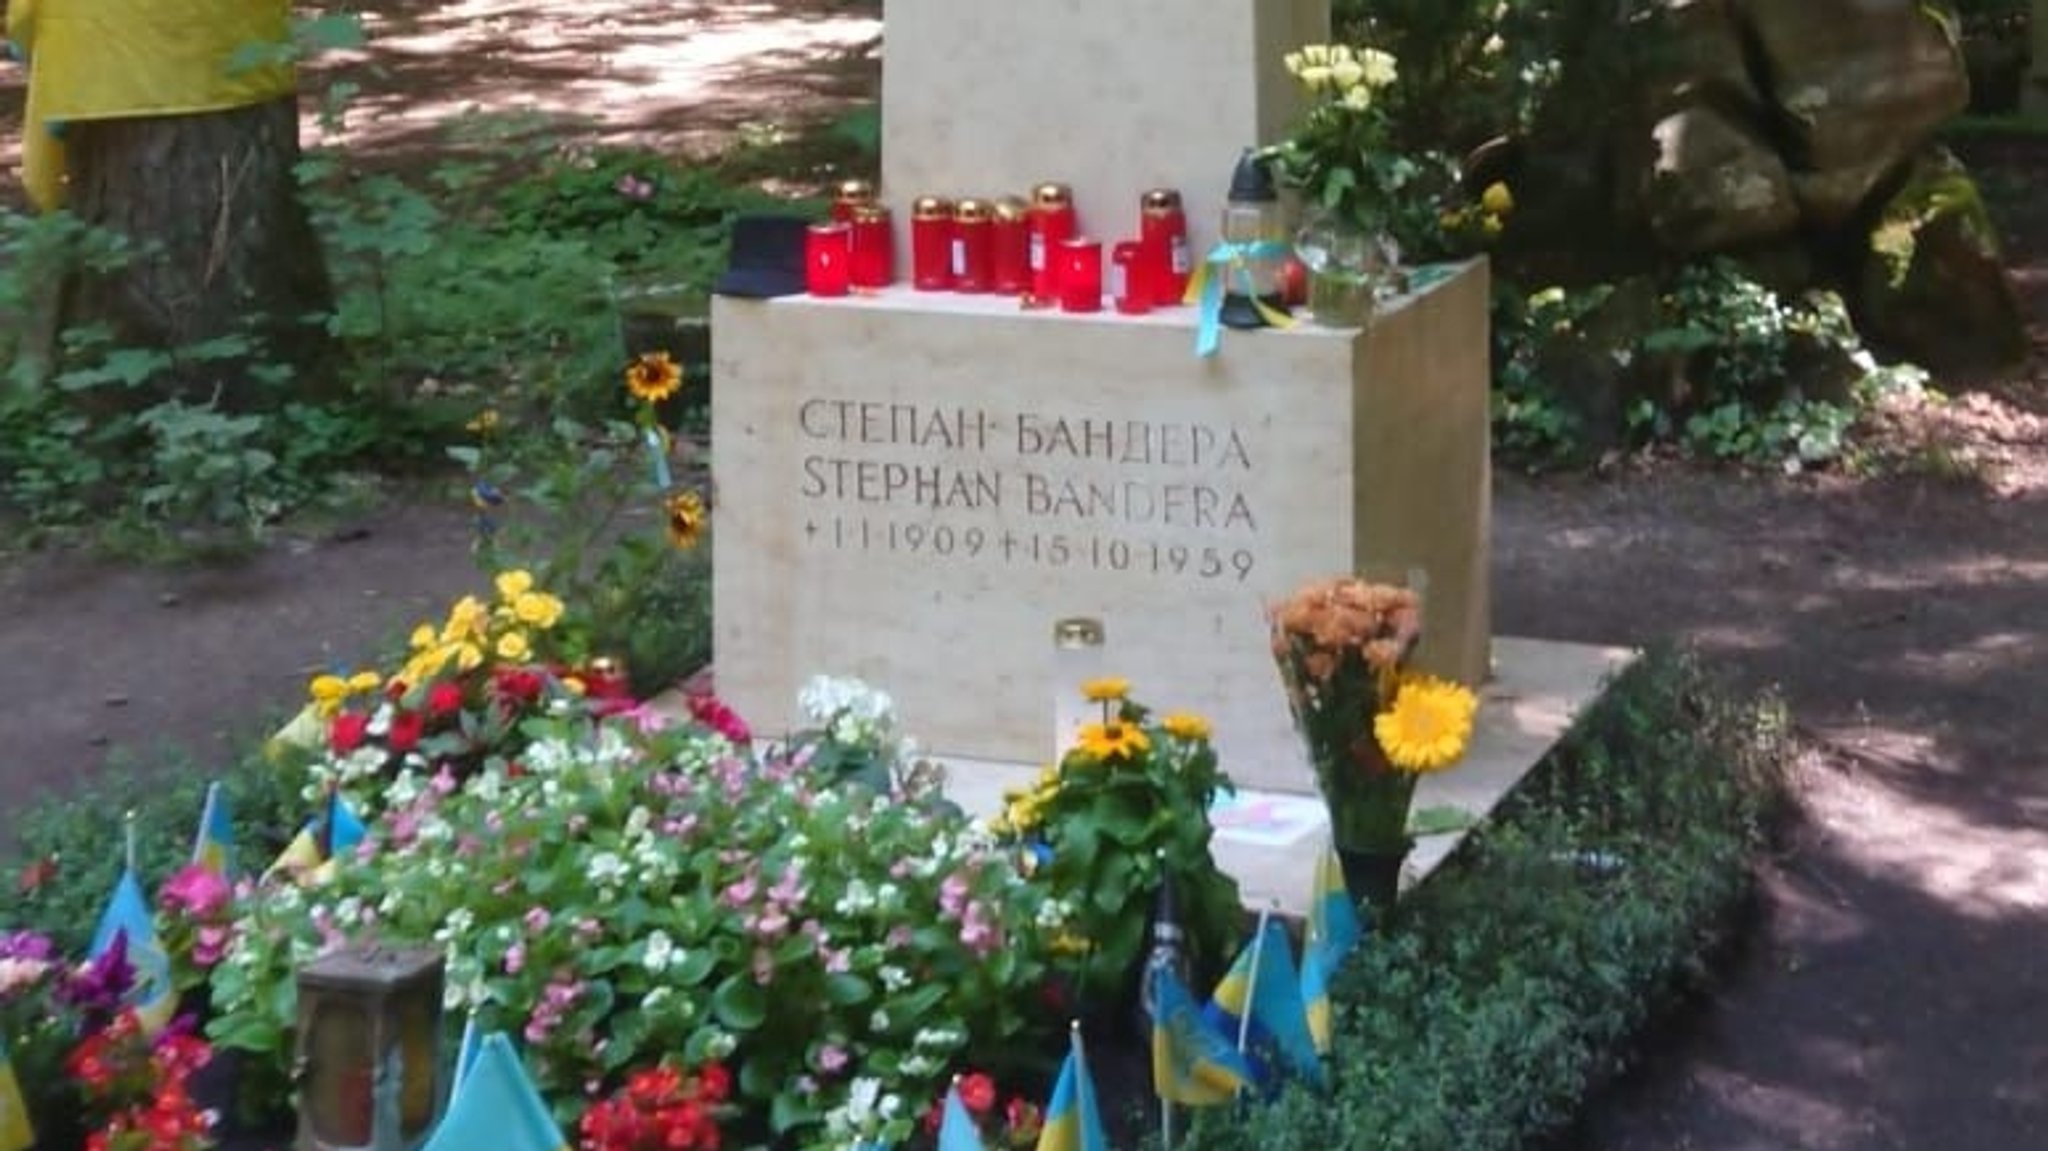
(850, 194)
(931, 244)
(1010, 246)
(1131, 278)
(828, 259)
(1080, 271)
(1163, 229)
(874, 247)
(1052, 224)
(973, 247)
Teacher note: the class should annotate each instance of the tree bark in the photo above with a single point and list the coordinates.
(223, 244)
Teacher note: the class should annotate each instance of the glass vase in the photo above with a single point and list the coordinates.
(1349, 265)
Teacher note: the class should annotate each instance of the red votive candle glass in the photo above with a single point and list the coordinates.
(973, 247)
(1163, 229)
(874, 247)
(1010, 246)
(1080, 265)
(828, 259)
(1131, 278)
(1052, 224)
(849, 195)
(931, 244)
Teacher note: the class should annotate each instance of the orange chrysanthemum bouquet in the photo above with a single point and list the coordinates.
(1372, 724)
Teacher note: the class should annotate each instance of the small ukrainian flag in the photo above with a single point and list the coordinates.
(1192, 1062)
(16, 1134)
(1333, 930)
(957, 1131)
(338, 829)
(1263, 980)
(1073, 1120)
(127, 921)
(214, 847)
(497, 1107)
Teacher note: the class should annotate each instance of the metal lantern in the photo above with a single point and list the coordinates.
(368, 1064)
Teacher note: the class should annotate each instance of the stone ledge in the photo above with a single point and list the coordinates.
(1269, 840)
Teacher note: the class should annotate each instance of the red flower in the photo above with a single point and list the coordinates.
(713, 713)
(444, 699)
(714, 1082)
(406, 727)
(978, 1092)
(348, 731)
(519, 685)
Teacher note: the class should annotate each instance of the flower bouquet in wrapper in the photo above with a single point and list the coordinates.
(1373, 725)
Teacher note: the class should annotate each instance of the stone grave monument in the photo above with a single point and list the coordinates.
(913, 487)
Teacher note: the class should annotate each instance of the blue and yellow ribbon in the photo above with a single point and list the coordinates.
(1227, 265)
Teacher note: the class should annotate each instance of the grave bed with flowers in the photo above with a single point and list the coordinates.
(696, 938)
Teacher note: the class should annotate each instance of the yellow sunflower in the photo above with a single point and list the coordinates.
(1108, 689)
(1186, 725)
(686, 519)
(1114, 740)
(653, 377)
(1428, 726)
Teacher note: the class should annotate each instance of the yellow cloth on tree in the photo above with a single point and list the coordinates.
(119, 59)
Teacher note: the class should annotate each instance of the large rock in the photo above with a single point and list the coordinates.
(1715, 184)
(1933, 288)
(1857, 86)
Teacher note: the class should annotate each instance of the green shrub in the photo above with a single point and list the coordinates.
(1511, 984)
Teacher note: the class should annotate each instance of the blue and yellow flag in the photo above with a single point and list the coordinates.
(957, 1131)
(336, 830)
(1264, 974)
(1073, 1120)
(15, 1132)
(465, 1054)
(497, 1107)
(127, 918)
(1333, 930)
(1192, 1062)
(214, 847)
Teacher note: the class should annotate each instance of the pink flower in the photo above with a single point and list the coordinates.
(537, 920)
(953, 895)
(209, 946)
(515, 959)
(832, 1059)
(741, 892)
(195, 891)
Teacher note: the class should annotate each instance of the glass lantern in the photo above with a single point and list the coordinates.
(1254, 224)
(1077, 657)
(368, 1064)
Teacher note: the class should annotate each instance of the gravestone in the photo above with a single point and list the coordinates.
(913, 487)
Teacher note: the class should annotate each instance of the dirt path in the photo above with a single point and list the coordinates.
(1892, 999)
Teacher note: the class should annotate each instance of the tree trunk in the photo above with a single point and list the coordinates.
(223, 245)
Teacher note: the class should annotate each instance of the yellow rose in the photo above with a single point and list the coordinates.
(1497, 199)
(327, 691)
(1380, 70)
(515, 583)
(512, 646)
(538, 609)
(467, 618)
(1346, 74)
(1358, 99)
(363, 681)
(423, 637)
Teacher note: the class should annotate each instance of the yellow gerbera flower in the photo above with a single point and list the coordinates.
(1114, 740)
(685, 520)
(513, 584)
(1428, 726)
(653, 377)
(538, 609)
(1108, 689)
(513, 646)
(1186, 725)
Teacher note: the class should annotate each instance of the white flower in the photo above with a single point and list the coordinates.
(918, 1066)
(661, 951)
(1379, 68)
(637, 820)
(403, 790)
(721, 1045)
(380, 722)
(894, 978)
(607, 869)
(879, 1021)
(349, 911)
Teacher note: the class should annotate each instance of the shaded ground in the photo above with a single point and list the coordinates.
(1892, 997)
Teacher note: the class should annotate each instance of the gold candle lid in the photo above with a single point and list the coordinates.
(1160, 201)
(1052, 196)
(870, 214)
(971, 211)
(1079, 631)
(931, 208)
(1011, 208)
(855, 192)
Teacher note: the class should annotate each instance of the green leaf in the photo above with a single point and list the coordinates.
(847, 990)
(1440, 820)
(739, 1002)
